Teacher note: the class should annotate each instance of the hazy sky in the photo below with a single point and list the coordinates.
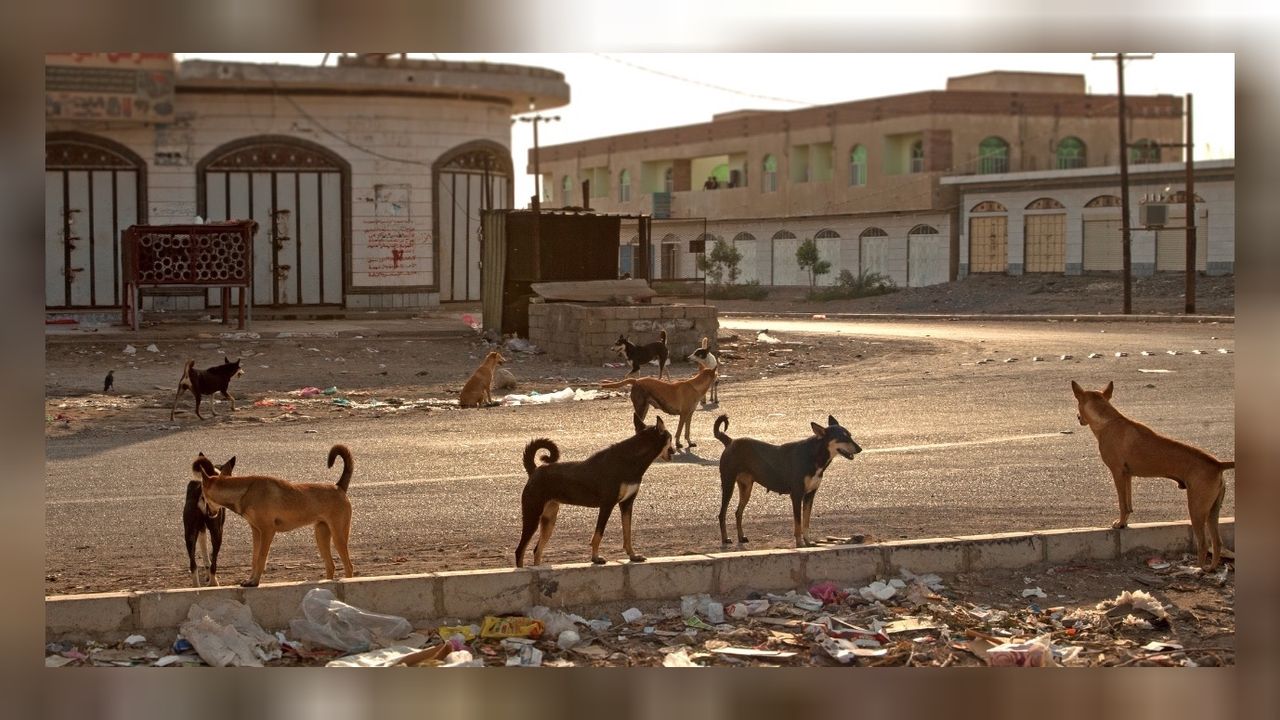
(615, 93)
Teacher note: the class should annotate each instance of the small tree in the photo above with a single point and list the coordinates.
(722, 261)
(807, 258)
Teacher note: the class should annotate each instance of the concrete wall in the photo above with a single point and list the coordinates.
(584, 333)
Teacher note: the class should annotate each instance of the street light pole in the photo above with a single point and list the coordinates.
(537, 190)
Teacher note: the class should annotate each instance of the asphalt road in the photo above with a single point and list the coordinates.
(951, 447)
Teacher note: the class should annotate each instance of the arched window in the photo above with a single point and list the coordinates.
(923, 230)
(669, 180)
(624, 186)
(743, 237)
(993, 156)
(1104, 201)
(917, 156)
(566, 190)
(1045, 203)
(770, 175)
(1144, 152)
(988, 206)
(784, 235)
(873, 232)
(1071, 153)
(858, 165)
(827, 233)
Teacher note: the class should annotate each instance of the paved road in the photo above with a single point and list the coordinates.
(951, 448)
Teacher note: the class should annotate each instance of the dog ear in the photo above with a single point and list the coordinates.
(1106, 392)
(228, 465)
(1077, 390)
(657, 422)
(831, 421)
(817, 429)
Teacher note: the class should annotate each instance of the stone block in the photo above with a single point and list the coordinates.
(1003, 550)
(1074, 544)
(471, 594)
(927, 555)
(86, 616)
(412, 597)
(671, 577)
(844, 564)
(579, 585)
(738, 573)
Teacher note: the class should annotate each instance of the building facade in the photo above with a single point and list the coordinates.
(366, 179)
(864, 179)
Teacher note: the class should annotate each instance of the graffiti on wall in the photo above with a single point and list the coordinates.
(393, 248)
(109, 86)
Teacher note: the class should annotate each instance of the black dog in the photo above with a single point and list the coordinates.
(794, 469)
(207, 382)
(608, 478)
(641, 354)
(200, 521)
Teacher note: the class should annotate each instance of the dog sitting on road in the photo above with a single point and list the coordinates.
(609, 477)
(477, 391)
(271, 505)
(207, 382)
(638, 355)
(203, 522)
(794, 469)
(1130, 449)
(674, 398)
(706, 359)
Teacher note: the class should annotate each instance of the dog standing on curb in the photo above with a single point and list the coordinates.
(794, 469)
(477, 391)
(203, 522)
(674, 398)
(706, 359)
(1130, 449)
(271, 505)
(638, 355)
(207, 382)
(609, 477)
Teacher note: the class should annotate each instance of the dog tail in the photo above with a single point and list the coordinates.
(347, 464)
(530, 450)
(1226, 464)
(662, 336)
(722, 424)
(621, 383)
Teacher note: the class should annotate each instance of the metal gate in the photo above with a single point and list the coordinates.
(1044, 243)
(873, 256)
(467, 181)
(988, 244)
(94, 188)
(298, 192)
(927, 257)
(1102, 248)
(785, 269)
(1171, 245)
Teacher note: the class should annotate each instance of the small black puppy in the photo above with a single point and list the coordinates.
(108, 381)
(207, 382)
(201, 521)
(641, 354)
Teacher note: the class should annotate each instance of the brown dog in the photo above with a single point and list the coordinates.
(207, 382)
(675, 398)
(271, 505)
(1130, 449)
(476, 392)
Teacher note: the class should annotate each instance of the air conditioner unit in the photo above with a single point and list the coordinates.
(1153, 215)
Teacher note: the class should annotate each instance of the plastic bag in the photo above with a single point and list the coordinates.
(1032, 653)
(224, 633)
(333, 623)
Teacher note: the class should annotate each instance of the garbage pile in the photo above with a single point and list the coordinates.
(908, 620)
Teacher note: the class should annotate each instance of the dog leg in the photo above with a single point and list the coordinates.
(341, 531)
(177, 395)
(261, 546)
(1124, 490)
(204, 550)
(198, 398)
(546, 526)
(215, 535)
(726, 492)
(625, 508)
(322, 544)
(797, 522)
(745, 483)
(1213, 521)
(1201, 499)
(601, 521)
(530, 511)
(230, 399)
(808, 511)
(191, 556)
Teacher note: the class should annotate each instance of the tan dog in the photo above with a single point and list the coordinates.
(271, 505)
(476, 392)
(1130, 449)
(675, 398)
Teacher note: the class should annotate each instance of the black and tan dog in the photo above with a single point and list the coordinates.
(1130, 449)
(794, 469)
(202, 522)
(675, 398)
(207, 382)
(609, 477)
(271, 505)
(638, 355)
(707, 359)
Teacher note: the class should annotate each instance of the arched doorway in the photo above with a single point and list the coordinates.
(300, 194)
(94, 188)
(467, 180)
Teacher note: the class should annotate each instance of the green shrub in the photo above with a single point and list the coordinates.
(848, 286)
(752, 290)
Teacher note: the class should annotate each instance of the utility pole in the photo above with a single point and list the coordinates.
(1190, 306)
(1125, 231)
(537, 189)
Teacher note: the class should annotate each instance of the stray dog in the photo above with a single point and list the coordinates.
(108, 381)
(675, 398)
(1130, 449)
(207, 382)
(794, 469)
(203, 522)
(705, 359)
(271, 505)
(609, 477)
(476, 393)
(641, 354)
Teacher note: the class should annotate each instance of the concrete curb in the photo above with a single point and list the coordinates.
(1228, 319)
(470, 594)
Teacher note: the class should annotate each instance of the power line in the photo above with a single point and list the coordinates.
(691, 81)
